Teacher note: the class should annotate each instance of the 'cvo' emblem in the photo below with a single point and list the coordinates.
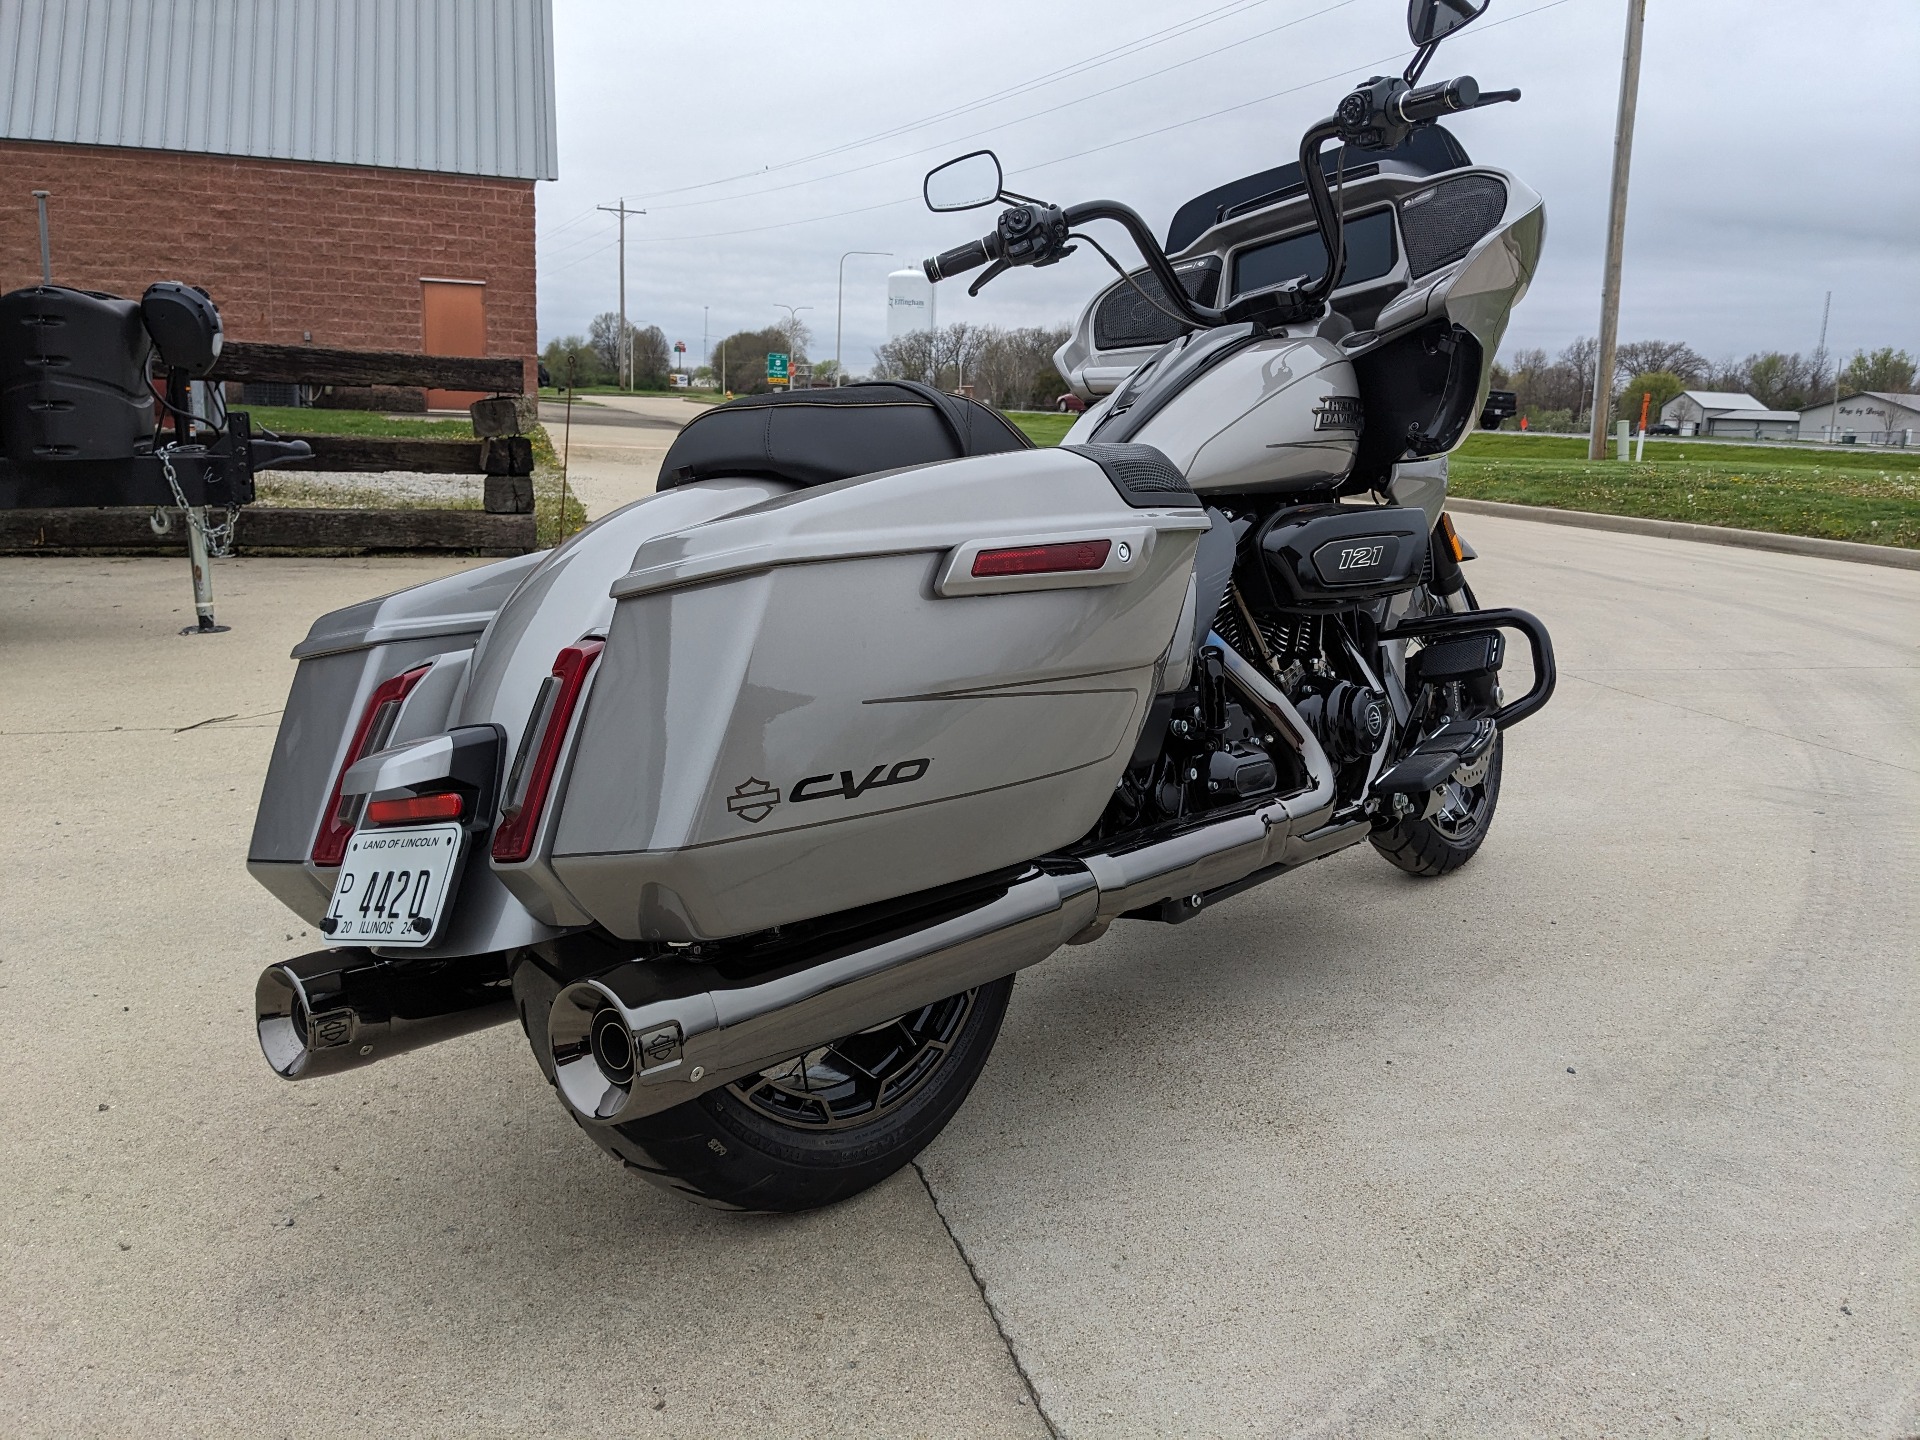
(753, 800)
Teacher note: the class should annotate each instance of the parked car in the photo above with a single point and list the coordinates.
(1665, 427)
(1501, 405)
(1070, 404)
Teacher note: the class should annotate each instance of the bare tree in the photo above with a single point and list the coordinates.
(1675, 357)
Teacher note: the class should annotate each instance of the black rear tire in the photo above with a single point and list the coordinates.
(1438, 846)
(750, 1146)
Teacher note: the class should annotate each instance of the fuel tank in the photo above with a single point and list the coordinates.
(867, 689)
(1239, 414)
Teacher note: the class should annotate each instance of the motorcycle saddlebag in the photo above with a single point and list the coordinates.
(870, 688)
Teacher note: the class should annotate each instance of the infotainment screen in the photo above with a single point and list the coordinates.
(1371, 253)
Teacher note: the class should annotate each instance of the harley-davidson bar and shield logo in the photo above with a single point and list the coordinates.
(753, 800)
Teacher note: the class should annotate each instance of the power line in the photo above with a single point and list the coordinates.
(1015, 120)
(1147, 41)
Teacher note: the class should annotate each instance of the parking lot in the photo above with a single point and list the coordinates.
(1613, 1132)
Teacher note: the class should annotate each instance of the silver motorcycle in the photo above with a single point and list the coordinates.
(749, 800)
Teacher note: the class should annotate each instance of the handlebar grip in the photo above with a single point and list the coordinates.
(1430, 102)
(970, 256)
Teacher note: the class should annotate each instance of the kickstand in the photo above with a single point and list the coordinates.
(202, 563)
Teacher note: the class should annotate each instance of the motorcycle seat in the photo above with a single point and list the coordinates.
(814, 437)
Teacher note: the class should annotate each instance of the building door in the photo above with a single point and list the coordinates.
(453, 321)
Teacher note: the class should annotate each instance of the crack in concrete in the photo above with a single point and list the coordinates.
(993, 1314)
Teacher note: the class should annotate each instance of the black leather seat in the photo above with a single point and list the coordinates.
(814, 437)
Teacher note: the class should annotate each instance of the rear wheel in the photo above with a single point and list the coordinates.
(822, 1126)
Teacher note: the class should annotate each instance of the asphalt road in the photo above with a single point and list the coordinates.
(1613, 1132)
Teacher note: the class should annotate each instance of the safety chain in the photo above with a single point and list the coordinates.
(218, 538)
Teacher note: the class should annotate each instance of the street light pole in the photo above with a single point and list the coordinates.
(1616, 233)
(624, 354)
(840, 309)
(793, 334)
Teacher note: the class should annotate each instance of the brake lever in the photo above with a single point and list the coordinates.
(1495, 97)
(992, 272)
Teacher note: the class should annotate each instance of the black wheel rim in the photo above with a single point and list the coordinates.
(1463, 808)
(857, 1080)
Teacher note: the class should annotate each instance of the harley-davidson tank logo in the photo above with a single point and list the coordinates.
(821, 787)
(1337, 412)
(753, 800)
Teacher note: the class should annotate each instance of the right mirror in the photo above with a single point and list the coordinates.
(963, 184)
(1431, 20)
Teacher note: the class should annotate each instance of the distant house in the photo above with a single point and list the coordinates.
(1726, 413)
(1871, 417)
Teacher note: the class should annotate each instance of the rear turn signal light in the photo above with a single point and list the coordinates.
(375, 727)
(532, 774)
(1043, 559)
(411, 808)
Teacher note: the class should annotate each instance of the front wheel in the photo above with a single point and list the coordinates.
(822, 1126)
(1442, 842)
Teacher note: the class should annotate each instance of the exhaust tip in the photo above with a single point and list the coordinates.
(291, 1033)
(594, 1051)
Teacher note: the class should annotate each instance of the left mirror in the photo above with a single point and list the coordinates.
(963, 184)
(1431, 20)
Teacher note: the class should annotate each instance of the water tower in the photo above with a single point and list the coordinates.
(909, 303)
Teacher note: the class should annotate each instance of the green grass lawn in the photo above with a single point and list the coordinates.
(290, 420)
(1836, 494)
(1043, 427)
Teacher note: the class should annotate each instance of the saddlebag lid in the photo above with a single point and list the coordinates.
(814, 437)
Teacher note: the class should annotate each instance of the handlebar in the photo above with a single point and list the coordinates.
(1430, 102)
(962, 258)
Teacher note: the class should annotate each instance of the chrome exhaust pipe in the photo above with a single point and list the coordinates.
(337, 1010)
(646, 1036)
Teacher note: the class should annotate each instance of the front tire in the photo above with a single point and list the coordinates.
(1442, 843)
(823, 1126)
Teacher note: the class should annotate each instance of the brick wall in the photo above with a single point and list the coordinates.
(285, 248)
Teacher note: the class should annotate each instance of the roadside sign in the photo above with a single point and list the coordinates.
(776, 367)
(802, 375)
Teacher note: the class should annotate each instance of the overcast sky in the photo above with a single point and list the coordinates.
(1774, 158)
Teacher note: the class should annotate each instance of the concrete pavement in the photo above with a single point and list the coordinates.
(189, 1246)
(1613, 1132)
(616, 444)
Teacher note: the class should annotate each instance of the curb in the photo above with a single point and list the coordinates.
(1893, 556)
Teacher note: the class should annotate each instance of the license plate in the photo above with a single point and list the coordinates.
(393, 885)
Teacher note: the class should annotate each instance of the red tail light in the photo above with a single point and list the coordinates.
(532, 773)
(1043, 559)
(376, 724)
(409, 809)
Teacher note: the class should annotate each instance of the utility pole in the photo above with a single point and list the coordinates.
(706, 354)
(1826, 314)
(1616, 232)
(840, 311)
(625, 351)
